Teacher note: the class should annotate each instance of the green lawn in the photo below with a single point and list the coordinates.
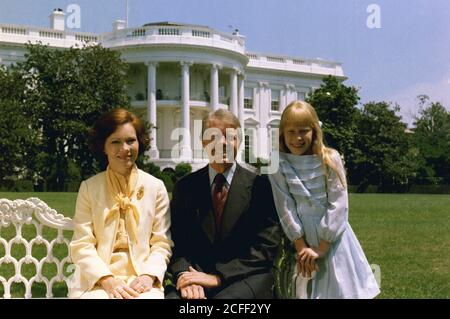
(407, 236)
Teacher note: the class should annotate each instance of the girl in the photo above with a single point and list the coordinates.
(312, 202)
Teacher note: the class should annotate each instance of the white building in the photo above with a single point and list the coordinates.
(179, 72)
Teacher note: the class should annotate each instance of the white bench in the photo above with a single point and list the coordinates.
(32, 211)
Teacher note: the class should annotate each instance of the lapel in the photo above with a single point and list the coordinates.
(237, 200)
(204, 202)
(104, 202)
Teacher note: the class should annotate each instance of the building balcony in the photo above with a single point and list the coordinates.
(17, 34)
(293, 64)
(174, 34)
(151, 34)
(176, 103)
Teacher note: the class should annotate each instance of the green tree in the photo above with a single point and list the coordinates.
(181, 170)
(336, 106)
(386, 157)
(432, 139)
(64, 92)
(18, 141)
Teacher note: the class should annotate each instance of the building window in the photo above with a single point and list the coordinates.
(249, 155)
(248, 98)
(275, 103)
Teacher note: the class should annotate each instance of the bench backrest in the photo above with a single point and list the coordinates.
(15, 215)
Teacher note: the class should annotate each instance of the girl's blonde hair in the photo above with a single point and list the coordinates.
(302, 114)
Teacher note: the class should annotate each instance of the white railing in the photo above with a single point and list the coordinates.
(285, 63)
(86, 38)
(13, 30)
(138, 33)
(19, 213)
(202, 34)
(168, 31)
(63, 39)
(51, 34)
(275, 59)
(299, 62)
(182, 34)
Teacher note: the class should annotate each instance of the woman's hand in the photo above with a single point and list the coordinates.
(142, 283)
(116, 288)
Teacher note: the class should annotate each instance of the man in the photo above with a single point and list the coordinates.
(224, 223)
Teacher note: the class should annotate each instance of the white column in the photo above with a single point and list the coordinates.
(151, 107)
(284, 97)
(240, 157)
(290, 93)
(241, 95)
(264, 111)
(234, 92)
(186, 151)
(214, 102)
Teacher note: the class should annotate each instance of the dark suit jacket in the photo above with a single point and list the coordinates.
(250, 233)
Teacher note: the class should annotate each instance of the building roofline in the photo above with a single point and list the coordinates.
(291, 57)
(175, 24)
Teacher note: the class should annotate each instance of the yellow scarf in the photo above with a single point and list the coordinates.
(122, 193)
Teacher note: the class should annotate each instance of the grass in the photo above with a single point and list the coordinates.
(407, 236)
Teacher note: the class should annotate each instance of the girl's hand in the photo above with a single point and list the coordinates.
(306, 261)
(322, 249)
(116, 288)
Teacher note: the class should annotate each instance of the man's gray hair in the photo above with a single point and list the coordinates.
(223, 115)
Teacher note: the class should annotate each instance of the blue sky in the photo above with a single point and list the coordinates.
(408, 55)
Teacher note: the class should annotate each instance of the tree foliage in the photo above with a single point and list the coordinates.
(335, 104)
(18, 141)
(64, 92)
(386, 157)
(432, 139)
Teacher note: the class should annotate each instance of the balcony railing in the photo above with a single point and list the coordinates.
(284, 63)
(25, 34)
(183, 34)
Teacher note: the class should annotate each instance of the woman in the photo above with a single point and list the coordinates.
(121, 243)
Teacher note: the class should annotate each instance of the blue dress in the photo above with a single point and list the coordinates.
(315, 206)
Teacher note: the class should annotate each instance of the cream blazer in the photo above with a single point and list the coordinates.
(93, 239)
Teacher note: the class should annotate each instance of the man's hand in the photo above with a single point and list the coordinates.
(194, 277)
(193, 292)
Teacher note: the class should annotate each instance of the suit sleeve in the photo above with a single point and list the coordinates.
(260, 254)
(82, 248)
(180, 236)
(160, 241)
